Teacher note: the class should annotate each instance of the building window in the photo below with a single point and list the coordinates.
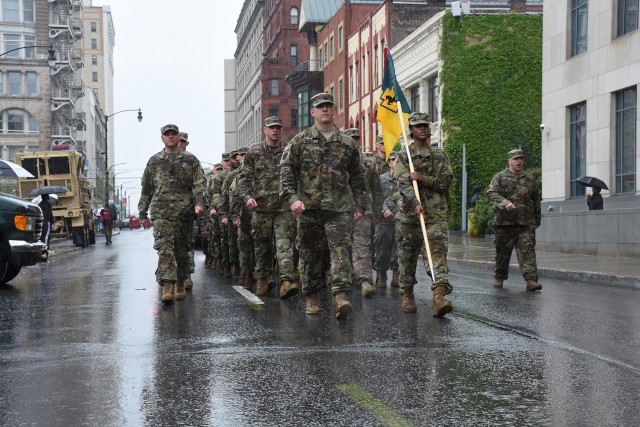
(626, 119)
(627, 16)
(94, 43)
(320, 58)
(326, 53)
(29, 41)
(32, 83)
(27, 10)
(1, 83)
(376, 66)
(433, 99)
(15, 41)
(579, 26)
(352, 95)
(578, 147)
(12, 41)
(331, 47)
(10, 10)
(340, 94)
(94, 76)
(94, 27)
(294, 16)
(414, 98)
(293, 54)
(303, 110)
(94, 59)
(340, 38)
(294, 119)
(19, 121)
(332, 91)
(14, 81)
(274, 87)
(357, 80)
(274, 111)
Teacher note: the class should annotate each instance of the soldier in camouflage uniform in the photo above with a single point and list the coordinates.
(516, 196)
(322, 178)
(433, 175)
(220, 243)
(204, 223)
(386, 249)
(241, 218)
(381, 156)
(212, 224)
(272, 223)
(361, 254)
(225, 213)
(188, 284)
(168, 185)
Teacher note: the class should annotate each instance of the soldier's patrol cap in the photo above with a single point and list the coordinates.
(225, 157)
(184, 136)
(514, 154)
(170, 126)
(353, 132)
(419, 118)
(217, 166)
(393, 155)
(321, 98)
(272, 121)
(379, 139)
(241, 150)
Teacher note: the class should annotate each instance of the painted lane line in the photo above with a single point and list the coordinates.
(374, 406)
(253, 300)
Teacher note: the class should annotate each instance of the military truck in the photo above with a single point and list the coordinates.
(73, 212)
(20, 229)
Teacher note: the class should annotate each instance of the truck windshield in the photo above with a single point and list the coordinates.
(58, 165)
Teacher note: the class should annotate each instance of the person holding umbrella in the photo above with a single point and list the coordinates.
(47, 224)
(594, 200)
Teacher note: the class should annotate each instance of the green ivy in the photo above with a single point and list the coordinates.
(491, 82)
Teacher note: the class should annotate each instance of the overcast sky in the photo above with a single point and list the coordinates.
(169, 61)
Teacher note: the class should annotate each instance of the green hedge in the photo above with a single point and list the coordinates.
(491, 89)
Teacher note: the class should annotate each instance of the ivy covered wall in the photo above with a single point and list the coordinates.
(491, 89)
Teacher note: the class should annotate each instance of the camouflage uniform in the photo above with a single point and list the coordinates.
(225, 212)
(361, 235)
(239, 212)
(517, 228)
(272, 223)
(327, 175)
(386, 249)
(168, 184)
(219, 245)
(435, 168)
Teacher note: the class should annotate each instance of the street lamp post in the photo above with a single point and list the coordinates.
(106, 146)
(52, 53)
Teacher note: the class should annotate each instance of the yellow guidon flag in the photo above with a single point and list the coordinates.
(388, 112)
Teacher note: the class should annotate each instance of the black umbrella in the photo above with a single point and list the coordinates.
(591, 181)
(49, 189)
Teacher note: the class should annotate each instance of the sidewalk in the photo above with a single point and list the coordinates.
(611, 271)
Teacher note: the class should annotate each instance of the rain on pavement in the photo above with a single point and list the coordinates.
(85, 341)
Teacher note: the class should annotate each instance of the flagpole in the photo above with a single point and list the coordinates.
(415, 189)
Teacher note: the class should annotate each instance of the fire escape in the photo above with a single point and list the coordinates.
(65, 33)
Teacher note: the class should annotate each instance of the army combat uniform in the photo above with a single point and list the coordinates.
(168, 184)
(516, 228)
(272, 223)
(327, 175)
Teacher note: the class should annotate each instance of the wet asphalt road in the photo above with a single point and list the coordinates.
(84, 341)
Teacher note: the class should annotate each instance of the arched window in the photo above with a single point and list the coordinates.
(18, 121)
(294, 16)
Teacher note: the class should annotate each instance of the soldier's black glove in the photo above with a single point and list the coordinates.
(143, 215)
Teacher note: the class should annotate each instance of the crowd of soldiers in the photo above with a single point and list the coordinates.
(313, 213)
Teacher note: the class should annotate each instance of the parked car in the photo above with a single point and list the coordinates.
(20, 230)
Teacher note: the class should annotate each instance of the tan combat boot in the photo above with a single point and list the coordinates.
(288, 289)
(367, 289)
(313, 306)
(441, 306)
(167, 292)
(408, 300)
(498, 283)
(533, 286)
(247, 281)
(263, 286)
(188, 284)
(227, 271)
(395, 279)
(235, 271)
(180, 292)
(343, 306)
(381, 279)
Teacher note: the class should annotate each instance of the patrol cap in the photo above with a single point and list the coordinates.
(217, 166)
(241, 150)
(514, 154)
(272, 121)
(353, 132)
(168, 127)
(226, 156)
(321, 98)
(184, 136)
(379, 139)
(393, 155)
(419, 118)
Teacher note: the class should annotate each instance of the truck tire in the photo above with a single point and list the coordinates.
(5, 249)
(11, 272)
(78, 234)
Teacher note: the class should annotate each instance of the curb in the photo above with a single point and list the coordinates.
(558, 274)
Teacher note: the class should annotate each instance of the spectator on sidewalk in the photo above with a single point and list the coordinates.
(107, 222)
